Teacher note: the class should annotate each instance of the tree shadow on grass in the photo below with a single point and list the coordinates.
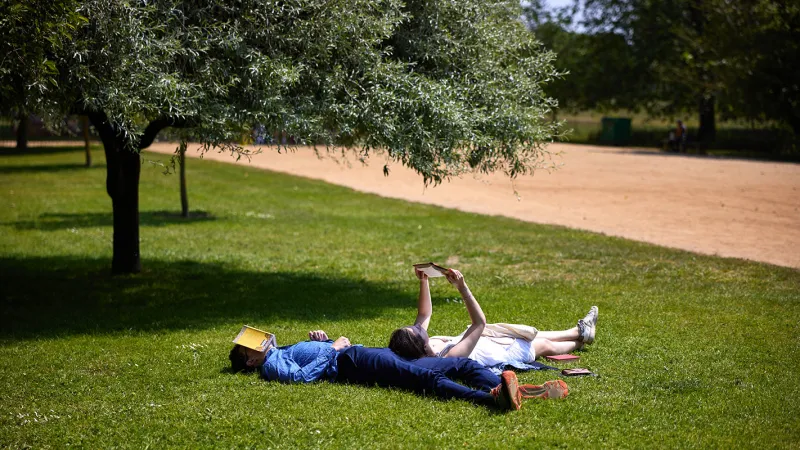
(62, 221)
(45, 150)
(58, 296)
(51, 168)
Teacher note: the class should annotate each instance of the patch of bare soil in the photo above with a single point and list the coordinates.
(725, 207)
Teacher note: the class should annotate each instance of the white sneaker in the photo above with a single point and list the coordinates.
(591, 316)
(587, 326)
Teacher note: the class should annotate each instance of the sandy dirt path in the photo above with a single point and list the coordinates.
(725, 207)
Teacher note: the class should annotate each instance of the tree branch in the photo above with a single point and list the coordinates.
(104, 129)
(154, 127)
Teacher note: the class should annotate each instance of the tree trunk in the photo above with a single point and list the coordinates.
(708, 126)
(790, 115)
(123, 167)
(22, 132)
(184, 195)
(122, 184)
(85, 128)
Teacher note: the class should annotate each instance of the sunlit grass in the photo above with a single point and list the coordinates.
(693, 351)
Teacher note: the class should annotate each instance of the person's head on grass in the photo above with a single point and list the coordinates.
(245, 359)
(410, 342)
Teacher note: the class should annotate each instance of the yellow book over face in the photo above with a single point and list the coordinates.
(254, 338)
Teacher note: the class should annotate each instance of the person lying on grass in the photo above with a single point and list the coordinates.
(493, 345)
(337, 361)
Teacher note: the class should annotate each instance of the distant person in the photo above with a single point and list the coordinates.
(338, 361)
(493, 345)
(678, 138)
(260, 136)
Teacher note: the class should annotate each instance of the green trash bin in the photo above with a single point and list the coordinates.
(616, 130)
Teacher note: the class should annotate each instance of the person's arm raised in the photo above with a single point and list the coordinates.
(473, 333)
(424, 306)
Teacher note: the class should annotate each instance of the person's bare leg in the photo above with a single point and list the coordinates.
(546, 347)
(573, 334)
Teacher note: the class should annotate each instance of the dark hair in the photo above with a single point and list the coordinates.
(407, 344)
(239, 360)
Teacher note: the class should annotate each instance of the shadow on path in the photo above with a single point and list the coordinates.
(51, 297)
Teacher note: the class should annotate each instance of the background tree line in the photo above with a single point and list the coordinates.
(714, 58)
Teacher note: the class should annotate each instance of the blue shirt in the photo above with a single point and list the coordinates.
(302, 362)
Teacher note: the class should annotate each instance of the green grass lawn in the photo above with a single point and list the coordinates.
(693, 351)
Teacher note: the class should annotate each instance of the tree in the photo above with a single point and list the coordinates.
(32, 32)
(704, 54)
(597, 68)
(86, 147)
(761, 70)
(442, 87)
(668, 46)
(22, 131)
(182, 176)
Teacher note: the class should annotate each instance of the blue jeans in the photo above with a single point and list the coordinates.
(365, 365)
(465, 370)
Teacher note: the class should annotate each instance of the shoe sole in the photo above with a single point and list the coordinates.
(555, 389)
(590, 338)
(587, 337)
(510, 388)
